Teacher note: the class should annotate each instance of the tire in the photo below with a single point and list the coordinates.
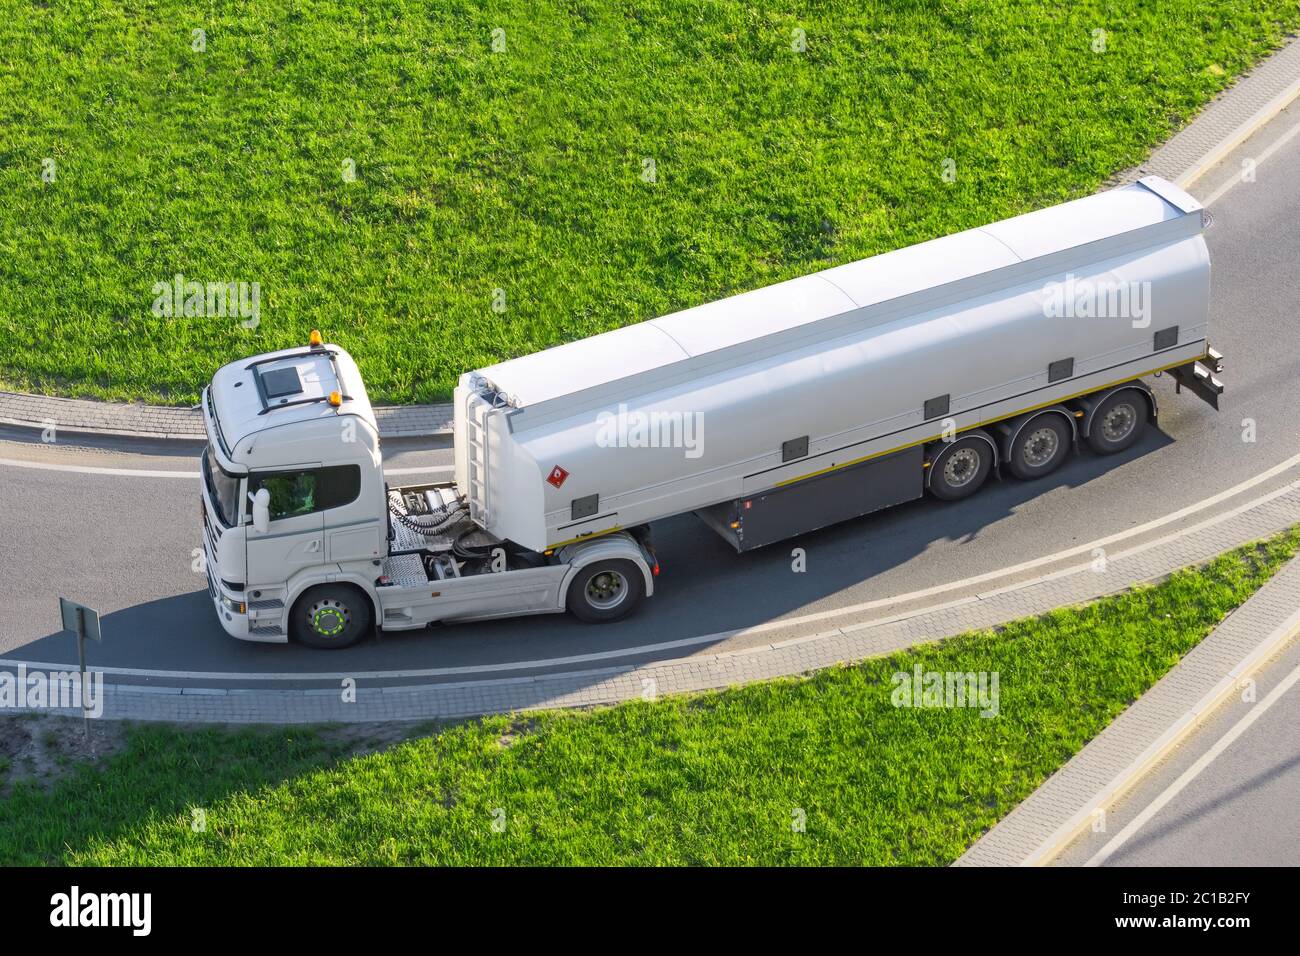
(1040, 447)
(1118, 421)
(960, 468)
(606, 591)
(330, 616)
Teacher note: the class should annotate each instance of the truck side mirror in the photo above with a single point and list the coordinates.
(261, 500)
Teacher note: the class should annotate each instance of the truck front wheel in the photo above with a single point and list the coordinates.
(330, 616)
(606, 591)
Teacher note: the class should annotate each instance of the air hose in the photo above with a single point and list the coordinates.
(439, 525)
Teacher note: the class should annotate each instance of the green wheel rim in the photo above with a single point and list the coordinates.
(329, 618)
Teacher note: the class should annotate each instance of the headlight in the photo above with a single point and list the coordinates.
(235, 607)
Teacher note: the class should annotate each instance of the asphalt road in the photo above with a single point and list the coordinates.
(125, 543)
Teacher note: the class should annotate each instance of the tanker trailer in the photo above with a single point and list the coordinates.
(826, 397)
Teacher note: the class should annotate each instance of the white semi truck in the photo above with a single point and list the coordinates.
(768, 414)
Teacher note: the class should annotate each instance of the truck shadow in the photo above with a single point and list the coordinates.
(149, 635)
(705, 591)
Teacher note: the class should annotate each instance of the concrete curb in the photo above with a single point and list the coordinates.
(1120, 756)
(166, 423)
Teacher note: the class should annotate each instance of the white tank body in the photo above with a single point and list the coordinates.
(711, 403)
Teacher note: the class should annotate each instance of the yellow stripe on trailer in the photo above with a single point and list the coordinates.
(991, 421)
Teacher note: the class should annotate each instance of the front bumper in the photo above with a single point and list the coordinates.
(234, 624)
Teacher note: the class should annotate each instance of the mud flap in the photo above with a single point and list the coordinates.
(1199, 378)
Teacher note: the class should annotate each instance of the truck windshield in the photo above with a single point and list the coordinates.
(223, 487)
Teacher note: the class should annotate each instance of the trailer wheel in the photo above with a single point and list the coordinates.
(606, 591)
(1118, 422)
(1040, 447)
(330, 616)
(960, 468)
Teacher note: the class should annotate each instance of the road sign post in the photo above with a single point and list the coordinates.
(84, 622)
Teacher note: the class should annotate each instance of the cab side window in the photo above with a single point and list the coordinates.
(339, 485)
(297, 493)
(292, 493)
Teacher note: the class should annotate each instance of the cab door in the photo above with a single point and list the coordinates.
(295, 537)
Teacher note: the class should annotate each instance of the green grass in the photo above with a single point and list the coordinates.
(711, 778)
(521, 170)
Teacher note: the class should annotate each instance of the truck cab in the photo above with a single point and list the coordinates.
(304, 539)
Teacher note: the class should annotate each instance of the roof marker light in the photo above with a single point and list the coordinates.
(336, 399)
(315, 341)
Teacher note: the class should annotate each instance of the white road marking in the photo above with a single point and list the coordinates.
(1192, 772)
(1259, 161)
(91, 470)
(191, 475)
(1039, 562)
(375, 675)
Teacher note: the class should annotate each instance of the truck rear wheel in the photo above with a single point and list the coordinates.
(1118, 422)
(960, 468)
(1040, 447)
(330, 616)
(606, 591)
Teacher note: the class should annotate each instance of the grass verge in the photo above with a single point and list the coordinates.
(503, 199)
(717, 778)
